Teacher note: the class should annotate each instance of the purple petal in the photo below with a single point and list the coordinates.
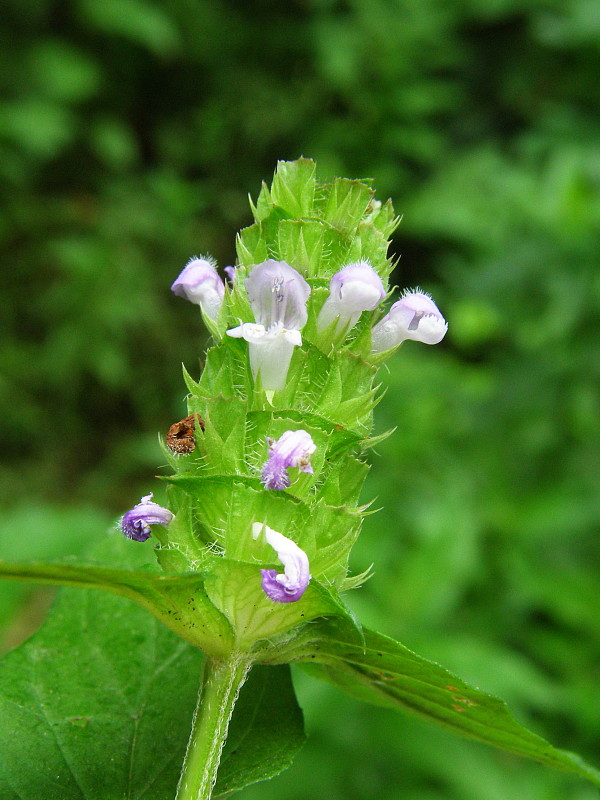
(292, 449)
(274, 474)
(357, 287)
(135, 524)
(352, 290)
(277, 591)
(278, 294)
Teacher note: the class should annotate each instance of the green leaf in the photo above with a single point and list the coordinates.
(180, 602)
(226, 367)
(265, 733)
(224, 434)
(386, 673)
(264, 204)
(324, 532)
(250, 245)
(371, 245)
(98, 704)
(383, 218)
(343, 481)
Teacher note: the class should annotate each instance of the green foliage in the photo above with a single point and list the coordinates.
(385, 673)
(85, 685)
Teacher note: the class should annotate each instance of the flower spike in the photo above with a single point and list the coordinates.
(136, 523)
(200, 283)
(292, 449)
(291, 585)
(415, 316)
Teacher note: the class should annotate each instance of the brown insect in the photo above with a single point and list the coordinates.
(180, 437)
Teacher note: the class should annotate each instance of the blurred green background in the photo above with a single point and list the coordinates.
(131, 132)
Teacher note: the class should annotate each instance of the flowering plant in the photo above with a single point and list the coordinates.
(251, 556)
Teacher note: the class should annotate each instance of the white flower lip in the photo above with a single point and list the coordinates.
(270, 351)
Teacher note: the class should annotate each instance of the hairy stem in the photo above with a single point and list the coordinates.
(221, 684)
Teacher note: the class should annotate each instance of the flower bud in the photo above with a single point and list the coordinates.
(415, 316)
(292, 449)
(231, 274)
(291, 585)
(136, 523)
(352, 290)
(278, 294)
(200, 283)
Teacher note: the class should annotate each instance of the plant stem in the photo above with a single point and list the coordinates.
(221, 683)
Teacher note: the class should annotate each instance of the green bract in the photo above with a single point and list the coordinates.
(209, 592)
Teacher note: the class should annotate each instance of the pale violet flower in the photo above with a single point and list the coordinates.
(289, 586)
(352, 290)
(292, 449)
(136, 523)
(277, 295)
(200, 283)
(415, 316)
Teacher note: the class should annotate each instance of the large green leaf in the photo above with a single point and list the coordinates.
(386, 673)
(180, 602)
(98, 705)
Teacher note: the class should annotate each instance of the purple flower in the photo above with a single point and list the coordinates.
(289, 586)
(292, 449)
(136, 523)
(200, 283)
(352, 290)
(277, 295)
(415, 316)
